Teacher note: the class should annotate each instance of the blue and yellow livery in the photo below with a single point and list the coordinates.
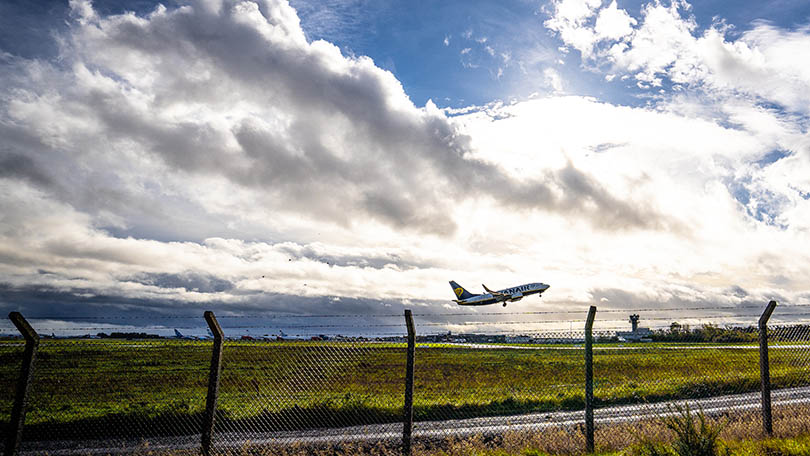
(465, 298)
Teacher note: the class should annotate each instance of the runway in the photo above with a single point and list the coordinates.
(636, 347)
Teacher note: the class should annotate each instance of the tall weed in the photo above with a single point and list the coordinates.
(694, 434)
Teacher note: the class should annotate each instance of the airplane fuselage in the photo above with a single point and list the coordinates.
(504, 296)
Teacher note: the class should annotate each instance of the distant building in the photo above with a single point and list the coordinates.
(636, 334)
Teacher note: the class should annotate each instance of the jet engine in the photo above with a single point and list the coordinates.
(516, 296)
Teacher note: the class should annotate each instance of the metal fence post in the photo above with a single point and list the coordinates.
(589, 444)
(213, 383)
(15, 426)
(764, 368)
(407, 419)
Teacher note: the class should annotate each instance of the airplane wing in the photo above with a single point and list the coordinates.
(493, 293)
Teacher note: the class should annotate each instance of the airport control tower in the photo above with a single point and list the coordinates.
(637, 334)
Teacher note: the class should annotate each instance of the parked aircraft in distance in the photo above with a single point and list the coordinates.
(465, 298)
(179, 335)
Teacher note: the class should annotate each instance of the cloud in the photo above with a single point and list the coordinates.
(569, 19)
(17, 166)
(613, 23)
(553, 80)
(202, 283)
(757, 83)
(293, 125)
(212, 156)
(84, 312)
(764, 63)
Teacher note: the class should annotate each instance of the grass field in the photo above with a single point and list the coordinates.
(93, 388)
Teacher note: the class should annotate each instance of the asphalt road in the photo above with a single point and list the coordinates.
(428, 429)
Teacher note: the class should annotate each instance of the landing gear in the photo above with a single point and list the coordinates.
(504, 304)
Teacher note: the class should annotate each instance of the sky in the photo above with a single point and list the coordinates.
(352, 156)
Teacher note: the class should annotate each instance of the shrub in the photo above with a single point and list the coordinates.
(694, 434)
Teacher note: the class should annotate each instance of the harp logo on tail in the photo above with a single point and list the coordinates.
(459, 292)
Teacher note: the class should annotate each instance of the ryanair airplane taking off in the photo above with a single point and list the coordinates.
(465, 298)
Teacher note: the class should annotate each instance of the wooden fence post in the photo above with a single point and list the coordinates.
(15, 426)
(764, 368)
(407, 419)
(589, 444)
(213, 383)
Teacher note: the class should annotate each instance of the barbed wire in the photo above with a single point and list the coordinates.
(475, 314)
(157, 341)
(393, 315)
(401, 325)
(190, 317)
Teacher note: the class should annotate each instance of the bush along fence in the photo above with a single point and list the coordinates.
(216, 394)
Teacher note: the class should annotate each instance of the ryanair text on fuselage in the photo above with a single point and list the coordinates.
(465, 298)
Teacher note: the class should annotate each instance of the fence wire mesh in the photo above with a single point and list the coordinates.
(789, 352)
(710, 370)
(115, 393)
(11, 352)
(315, 393)
(505, 380)
(488, 388)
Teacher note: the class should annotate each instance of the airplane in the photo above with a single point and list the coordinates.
(465, 298)
(179, 335)
(284, 336)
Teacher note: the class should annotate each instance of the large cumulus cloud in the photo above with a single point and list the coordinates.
(232, 94)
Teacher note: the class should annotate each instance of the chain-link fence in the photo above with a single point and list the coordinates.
(310, 392)
(11, 352)
(119, 392)
(789, 352)
(480, 388)
(337, 383)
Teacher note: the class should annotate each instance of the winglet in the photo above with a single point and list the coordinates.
(490, 291)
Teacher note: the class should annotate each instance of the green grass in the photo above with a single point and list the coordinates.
(799, 446)
(98, 387)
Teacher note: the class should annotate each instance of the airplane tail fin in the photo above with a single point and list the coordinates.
(460, 292)
(178, 334)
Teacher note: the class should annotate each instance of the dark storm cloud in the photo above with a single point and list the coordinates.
(737, 291)
(200, 283)
(18, 166)
(54, 310)
(42, 301)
